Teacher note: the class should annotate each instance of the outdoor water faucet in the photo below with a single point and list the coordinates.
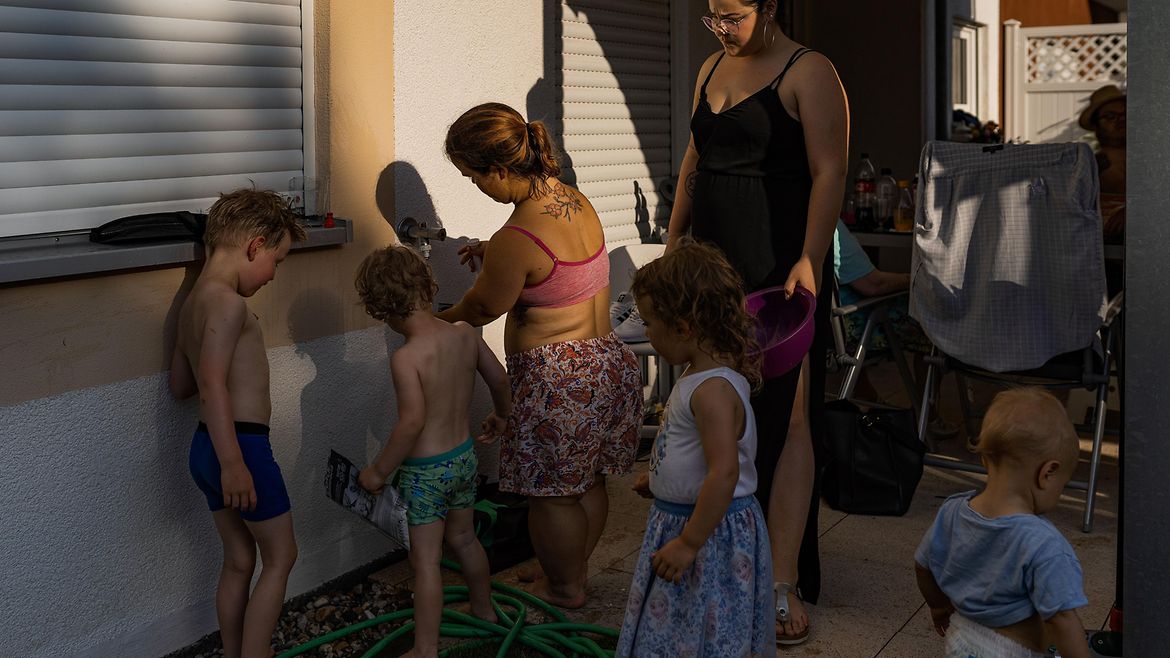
(410, 230)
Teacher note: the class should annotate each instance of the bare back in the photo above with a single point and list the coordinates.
(246, 358)
(443, 363)
(569, 226)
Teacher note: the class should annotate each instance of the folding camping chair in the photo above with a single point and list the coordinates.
(1008, 276)
(852, 362)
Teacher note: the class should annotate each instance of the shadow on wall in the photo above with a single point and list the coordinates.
(546, 101)
(174, 424)
(400, 192)
(348, 404)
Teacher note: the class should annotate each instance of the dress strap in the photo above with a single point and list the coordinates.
(540, 243)
(800, 52)
(703, 89)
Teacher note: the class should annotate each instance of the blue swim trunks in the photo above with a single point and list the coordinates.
(432, 485)
(271, 494)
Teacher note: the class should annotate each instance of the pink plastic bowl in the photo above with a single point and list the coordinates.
(784, 327)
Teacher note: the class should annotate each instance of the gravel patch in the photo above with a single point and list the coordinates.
(346, 600)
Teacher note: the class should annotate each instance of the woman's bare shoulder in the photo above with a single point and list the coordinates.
(814, 67)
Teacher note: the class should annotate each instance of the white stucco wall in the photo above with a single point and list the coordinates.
(490, 52)
(108, 541)
(493, 52)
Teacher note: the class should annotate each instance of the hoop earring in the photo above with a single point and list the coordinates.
(773, 33)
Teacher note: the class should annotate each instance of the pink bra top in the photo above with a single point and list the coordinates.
(569, 282)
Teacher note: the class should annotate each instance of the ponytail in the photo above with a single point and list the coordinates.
(494, 135)
(543, 152)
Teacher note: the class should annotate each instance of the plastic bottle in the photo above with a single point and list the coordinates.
(887, 199)
(865, 193)
(849, 211)
(476, 261)
(904, 213)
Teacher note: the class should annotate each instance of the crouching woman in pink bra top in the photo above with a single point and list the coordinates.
(576, 388)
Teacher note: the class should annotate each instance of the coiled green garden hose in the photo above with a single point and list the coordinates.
(559, 638)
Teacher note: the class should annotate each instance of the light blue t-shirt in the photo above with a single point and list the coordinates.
(850, 262)
(998, 572)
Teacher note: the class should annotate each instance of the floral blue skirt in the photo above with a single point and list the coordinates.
(723, 605)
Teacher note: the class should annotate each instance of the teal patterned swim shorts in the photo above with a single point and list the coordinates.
(432, 485)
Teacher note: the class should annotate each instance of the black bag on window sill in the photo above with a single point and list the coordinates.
(874, 459)
(174, 226)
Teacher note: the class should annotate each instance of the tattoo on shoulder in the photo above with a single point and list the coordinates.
(690, 184)
(563, 204)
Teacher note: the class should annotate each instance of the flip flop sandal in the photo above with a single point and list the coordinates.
(782, 590)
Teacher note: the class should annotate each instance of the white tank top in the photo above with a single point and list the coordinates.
(677, 463)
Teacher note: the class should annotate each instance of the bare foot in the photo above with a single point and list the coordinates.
(488, 615)
(543, 591)
(529, 573)
(795, 630)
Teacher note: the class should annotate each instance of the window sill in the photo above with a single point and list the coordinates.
(72, 254)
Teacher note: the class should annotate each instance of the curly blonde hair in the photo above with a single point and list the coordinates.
(395, 281)
(696, 284)
(237, 217)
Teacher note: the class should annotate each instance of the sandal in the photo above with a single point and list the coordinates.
(782, 590)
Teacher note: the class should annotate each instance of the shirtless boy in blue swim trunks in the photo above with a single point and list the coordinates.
(219, 354)
(434, 378)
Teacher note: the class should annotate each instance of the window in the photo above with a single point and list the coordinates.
(967, 68)
(111, 108)
(615, 77)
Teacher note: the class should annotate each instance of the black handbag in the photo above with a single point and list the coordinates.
(874, 459)
(172, 226)
(501, 524)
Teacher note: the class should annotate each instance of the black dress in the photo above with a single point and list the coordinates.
(750, 193)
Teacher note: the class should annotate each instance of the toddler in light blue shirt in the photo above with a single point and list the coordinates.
(1013, 579)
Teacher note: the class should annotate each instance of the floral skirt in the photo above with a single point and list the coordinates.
(723, 606)
(576, 412)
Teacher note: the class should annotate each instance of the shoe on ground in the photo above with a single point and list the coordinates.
(626, 321)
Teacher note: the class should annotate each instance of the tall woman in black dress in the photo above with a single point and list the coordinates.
(764, 176)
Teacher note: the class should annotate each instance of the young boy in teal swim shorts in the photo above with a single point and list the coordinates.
(434, 378)
(219, 354)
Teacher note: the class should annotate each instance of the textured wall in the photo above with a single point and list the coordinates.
(108, 541)
(491, 52)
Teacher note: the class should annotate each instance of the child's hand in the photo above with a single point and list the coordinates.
(371, 480)
(941, 618)
(493, 428)
(672, 560)
(238, 491)
(642, 486)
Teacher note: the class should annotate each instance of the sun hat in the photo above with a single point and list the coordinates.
(1100, 97)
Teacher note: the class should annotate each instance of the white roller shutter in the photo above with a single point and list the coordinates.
(117, 107)
(615, 57)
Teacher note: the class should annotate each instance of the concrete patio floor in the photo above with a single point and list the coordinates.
(870, 606)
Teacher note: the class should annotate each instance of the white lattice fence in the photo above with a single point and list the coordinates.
(1049, 73)
(1077, 58)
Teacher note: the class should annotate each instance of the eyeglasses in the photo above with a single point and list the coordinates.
(727, 25)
